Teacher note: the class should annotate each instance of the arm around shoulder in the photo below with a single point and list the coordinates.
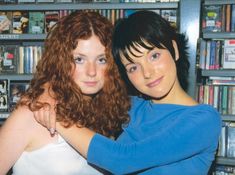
(195, 128)
(80, 138)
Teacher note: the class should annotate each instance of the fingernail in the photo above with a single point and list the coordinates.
(52, 131)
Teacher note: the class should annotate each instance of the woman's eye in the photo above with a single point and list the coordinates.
(131, 69)
(155, 56)
(102, 60)
(79, 60)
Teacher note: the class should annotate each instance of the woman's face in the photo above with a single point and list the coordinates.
(153, 72)
(91, 64)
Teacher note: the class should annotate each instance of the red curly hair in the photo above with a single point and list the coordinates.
(107, 110)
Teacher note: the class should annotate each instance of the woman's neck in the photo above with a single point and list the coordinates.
(176, 96)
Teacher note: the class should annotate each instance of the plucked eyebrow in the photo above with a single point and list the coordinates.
(98, 56)
(125, 65)
(131, 61)
(101, 55)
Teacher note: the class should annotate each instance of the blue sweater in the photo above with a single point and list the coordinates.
(161, 139)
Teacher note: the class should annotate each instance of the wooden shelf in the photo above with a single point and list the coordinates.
(18, 77)
(220, 72)
(77, 6)
(219, 35)
(228, 118)
(219, 2)
(225, 161)
(22, 36)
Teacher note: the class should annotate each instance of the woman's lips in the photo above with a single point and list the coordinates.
(154, 83)
(90, 83)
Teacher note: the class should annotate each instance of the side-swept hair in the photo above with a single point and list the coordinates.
(106, 111)
(149, 27)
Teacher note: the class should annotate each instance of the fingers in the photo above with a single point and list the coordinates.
(46, 117)
(36, 116)
(39, 117)
(52, 122)
(49, 119)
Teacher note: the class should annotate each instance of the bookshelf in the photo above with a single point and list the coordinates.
(220, 35)
(225, 161)
(29, 39)
(221, 96)
(218, 2)
(224, 72)
(78, 6)
(184, 21)
(228, 118)
(22, 37)
(15, 77)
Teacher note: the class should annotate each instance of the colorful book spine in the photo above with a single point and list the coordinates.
(212, 18)
(233, 18)
(229, 54)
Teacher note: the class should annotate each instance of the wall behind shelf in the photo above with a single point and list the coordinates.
(190, 25)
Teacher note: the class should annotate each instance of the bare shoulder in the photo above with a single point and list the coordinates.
(16, 132)
(20, 120)
(22, 115)
(22, 125)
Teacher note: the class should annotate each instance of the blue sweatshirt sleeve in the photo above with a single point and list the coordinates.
(187, 137)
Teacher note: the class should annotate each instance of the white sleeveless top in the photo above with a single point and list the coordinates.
(53, 159)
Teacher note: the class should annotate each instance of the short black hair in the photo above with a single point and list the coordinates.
(149, 27)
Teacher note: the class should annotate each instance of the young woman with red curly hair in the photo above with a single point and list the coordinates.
(78, 72)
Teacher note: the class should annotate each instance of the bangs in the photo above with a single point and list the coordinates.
(127, 49)
(129, 35)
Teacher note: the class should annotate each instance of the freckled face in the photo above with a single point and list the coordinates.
(91, 64)
(153, 72)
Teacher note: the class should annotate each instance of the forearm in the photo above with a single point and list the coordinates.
(79, 138)
(161, 148)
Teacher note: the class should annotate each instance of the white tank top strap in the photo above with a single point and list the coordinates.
(57, 158)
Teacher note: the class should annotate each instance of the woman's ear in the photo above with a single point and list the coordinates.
(176, 50)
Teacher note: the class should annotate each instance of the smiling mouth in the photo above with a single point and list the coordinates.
(154, 83)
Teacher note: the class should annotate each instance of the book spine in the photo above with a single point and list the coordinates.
(233, 18)
(212, 55)
(228, 61)
(228, 18)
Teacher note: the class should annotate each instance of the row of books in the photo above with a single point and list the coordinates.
(221, 97)
(3, 95)
(19, 22)
(226, 146)
(218, 18)
(19, 59)
(38, 22)
(3, 117)
(224, 170)
(216, 54)
(37, 1)
(10, 92)
(214, 80)
(152, 1)
(78, 1)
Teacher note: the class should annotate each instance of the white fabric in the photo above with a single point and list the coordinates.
(53, 159)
